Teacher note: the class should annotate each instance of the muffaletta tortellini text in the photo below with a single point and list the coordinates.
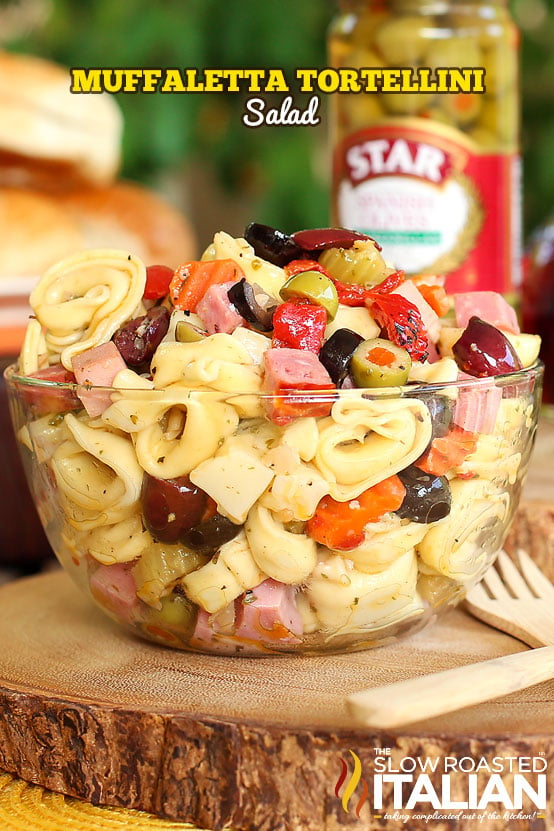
(281, 446)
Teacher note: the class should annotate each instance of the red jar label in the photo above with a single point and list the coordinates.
(434, 201)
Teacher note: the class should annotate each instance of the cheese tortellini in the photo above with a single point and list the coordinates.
(83, 300)
(206, 504)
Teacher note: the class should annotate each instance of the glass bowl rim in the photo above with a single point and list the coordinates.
(501, 380)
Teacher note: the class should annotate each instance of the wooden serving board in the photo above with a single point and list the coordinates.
(87, 710)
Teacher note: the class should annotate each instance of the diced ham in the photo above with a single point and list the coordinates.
(269, 614)
(476, 408)
(286, 370)
(490, 306)
(208, 635)
(433, 353)
(97, 367)
(217, 311)
(430, 318)
(113, 587)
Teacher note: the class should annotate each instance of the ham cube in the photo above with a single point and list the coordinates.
(268, 614)
(490, 306)
(113, 587)
(209, 636)
(430, 318)
(217, 312)
(288, 370)
(477, 408)
(97, 367)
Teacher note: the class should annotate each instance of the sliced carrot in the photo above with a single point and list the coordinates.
(340, 525)
(447, 451)
(192, 280)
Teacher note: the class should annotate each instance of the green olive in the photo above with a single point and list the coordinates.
(500, 115)
(462, 107)
(176, 610)
(185, 332)
(379, 363)
(402, 40)
(400, 103)
(453, 52)
(313, 286)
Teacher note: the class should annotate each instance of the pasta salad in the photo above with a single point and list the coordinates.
(283, 446)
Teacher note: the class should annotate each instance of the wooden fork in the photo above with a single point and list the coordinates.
(519, 601)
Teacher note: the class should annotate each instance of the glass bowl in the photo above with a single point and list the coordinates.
(245, 523)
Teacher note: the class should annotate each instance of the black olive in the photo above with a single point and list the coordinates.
(428, 498)
(138, 339)
(441, 409)
(484, 351)
(336, 352)
(273, 245)
(254, 304)
(211, 534)
(171, 507)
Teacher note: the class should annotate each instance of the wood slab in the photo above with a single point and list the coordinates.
(87, 710)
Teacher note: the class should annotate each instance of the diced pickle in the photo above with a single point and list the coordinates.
(380, 363)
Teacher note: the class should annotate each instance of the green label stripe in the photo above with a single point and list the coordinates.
(404, 237)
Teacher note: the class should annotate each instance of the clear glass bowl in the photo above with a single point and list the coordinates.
(249, 524)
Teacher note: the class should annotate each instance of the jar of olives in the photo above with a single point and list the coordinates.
(425, 136)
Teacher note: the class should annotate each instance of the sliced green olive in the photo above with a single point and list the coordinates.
(379, 363)
(313, 286)
(185, 332)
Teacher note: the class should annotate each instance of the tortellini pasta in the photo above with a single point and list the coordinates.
(198, 428)
(364, 441)
(347, 601)
(203, 497)
(84, 299)
(462, 546)
(219, 362)
(219, 582)
(280, 554)
(224, 247)
(98, 475)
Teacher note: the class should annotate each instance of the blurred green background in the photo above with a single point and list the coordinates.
(195, 149)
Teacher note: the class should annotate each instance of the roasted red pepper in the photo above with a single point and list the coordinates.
(298, 266)
(390, 283)
(448, 451)
(299, 325)
(401, 321)
(340, 525)
(352, 294)
(158, 278)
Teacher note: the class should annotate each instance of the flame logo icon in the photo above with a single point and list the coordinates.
(352, 784)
